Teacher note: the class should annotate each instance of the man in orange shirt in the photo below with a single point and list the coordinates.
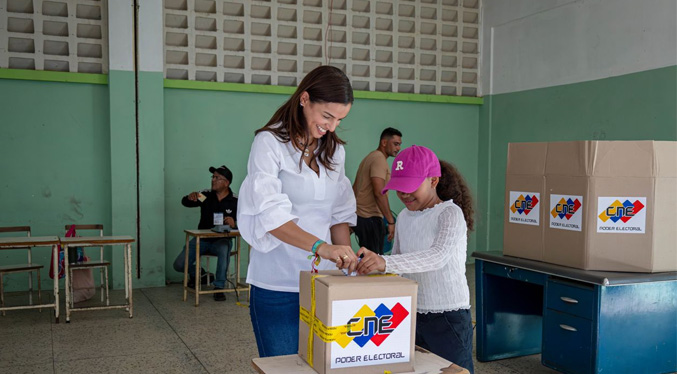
(372, 206)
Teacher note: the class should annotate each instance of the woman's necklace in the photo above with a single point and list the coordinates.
(306, 151)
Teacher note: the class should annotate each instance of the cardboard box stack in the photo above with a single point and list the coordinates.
(363, 324)
(594, 205)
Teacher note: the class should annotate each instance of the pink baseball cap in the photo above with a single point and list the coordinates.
(411, 167)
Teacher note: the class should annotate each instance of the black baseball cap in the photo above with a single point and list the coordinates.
(223, 170)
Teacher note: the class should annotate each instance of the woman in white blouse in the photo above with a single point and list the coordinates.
(430, 247)
(296, 202)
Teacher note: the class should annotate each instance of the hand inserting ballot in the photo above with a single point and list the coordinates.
(370, 262)
(354, 273)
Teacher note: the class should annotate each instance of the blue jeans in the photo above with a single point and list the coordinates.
(219, 248)
(275, 319)
(448, 335)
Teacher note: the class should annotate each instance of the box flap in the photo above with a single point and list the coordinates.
(567, 158)
(526, 158)
(665, 221)
(623, 159)
(340, 279)
(666, 159)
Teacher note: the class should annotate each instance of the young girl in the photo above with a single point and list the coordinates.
(430, 248)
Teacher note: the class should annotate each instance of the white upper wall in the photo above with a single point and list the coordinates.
(529, 44)
(121, 35)
(150, 36)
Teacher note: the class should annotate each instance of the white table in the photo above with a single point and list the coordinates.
(425, 362)
(37, 241)
(98, 241)
(204, 234)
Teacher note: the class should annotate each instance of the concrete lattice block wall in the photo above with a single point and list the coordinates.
(418, 46)
(69, 36)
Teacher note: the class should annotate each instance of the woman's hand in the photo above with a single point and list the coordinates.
(370, 263)
(342, 255)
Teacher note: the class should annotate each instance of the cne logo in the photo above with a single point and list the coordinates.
(524, 204)
(399, 166)
(624, 211)
(372, 325)
(565, 208)
(566, 212)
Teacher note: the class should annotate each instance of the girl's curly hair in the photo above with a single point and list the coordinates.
(452, 186)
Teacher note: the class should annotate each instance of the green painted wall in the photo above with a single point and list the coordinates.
(69, 152)
(640, 106)
(151, 238)
(68, 158)
(210, 128)
(122, 138)
(55, 165)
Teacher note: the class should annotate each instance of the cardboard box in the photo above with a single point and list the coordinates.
(609, 205)
(363, 324)
(524, 191)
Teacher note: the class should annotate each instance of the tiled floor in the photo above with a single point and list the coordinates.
(166, 335)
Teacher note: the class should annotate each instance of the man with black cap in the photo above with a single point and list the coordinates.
(218, 206)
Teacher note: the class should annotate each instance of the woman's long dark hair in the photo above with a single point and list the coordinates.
(452, 186)
(324, 84)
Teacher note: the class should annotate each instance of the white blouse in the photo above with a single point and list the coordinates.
(274, 192)
(430, 248)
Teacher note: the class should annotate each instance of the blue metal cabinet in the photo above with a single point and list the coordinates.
(577, 298)
(512, 300)
(638, 328)
(584, 321)
(567, 342)
(568, 325)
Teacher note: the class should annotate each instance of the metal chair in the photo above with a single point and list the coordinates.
(29, 268)
(102, 264)
(231, 277)
(233, 253)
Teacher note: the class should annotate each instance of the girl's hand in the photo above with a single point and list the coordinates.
(342, 255)
(370, 263)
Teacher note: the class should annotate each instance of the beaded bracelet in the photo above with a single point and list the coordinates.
(314, 256)
(316, 246)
